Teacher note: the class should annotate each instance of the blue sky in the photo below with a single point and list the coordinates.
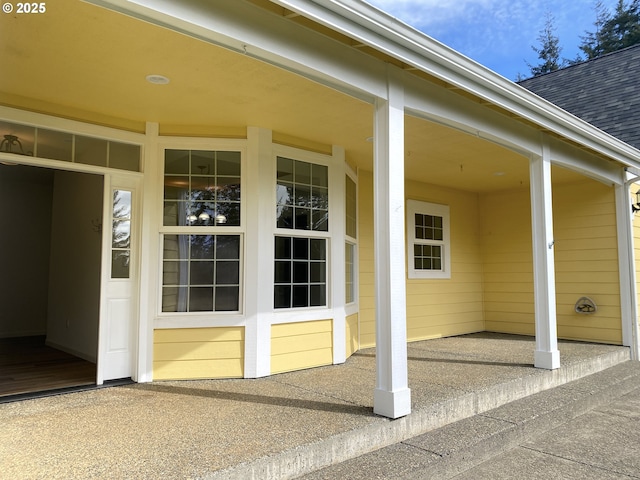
(498, 33)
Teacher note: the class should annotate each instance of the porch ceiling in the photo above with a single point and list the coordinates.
(88, 63)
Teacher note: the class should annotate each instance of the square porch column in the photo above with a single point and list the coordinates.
(627, 265)
(546, 354)
(392, 397)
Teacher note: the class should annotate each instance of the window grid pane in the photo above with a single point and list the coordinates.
(302, 195)
(202, 188)
(349, 272)
(427, 257)
(44, 143)
(300, 272)
(201, 273)
(428, 227)
(350, 207)
(121, 234)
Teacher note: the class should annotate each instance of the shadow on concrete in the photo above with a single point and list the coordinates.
(448, 360)
(261, 399)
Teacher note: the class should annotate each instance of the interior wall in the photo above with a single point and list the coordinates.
(74, 273)
(25, 223)
(435, 307)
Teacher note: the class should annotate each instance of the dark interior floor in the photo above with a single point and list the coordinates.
(27, 365)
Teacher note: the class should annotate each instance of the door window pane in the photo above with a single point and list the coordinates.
(121, 234)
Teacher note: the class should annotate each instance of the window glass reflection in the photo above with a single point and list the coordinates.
(55, 145)
(18, 139)
(90, 151)
(201, 273)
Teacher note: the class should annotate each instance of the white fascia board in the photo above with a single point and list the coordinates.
(249, 30)
(427, 100)
(585, 163)
(375, 28)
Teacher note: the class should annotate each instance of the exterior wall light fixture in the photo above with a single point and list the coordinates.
(635, 207)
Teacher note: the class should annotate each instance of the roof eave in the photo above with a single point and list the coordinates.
(387, 34)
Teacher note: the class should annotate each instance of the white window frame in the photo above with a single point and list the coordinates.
(201, 318)
(352, 307)
(329, 235)
(435, 209)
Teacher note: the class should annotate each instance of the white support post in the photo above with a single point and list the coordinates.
(392, 397)
(547, 354)
(626, 267)
(149, 270)
(337, 192)
(259, 299)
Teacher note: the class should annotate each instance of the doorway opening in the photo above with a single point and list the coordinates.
(50, 267)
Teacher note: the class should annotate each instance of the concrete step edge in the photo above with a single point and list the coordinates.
(564, 403)
(383, 432)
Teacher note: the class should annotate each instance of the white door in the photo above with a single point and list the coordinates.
(118, 304)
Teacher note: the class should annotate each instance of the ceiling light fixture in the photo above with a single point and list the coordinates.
(157, 79)
(8, 144)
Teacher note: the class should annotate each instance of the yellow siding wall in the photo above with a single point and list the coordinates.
(295, 346)
(586, 253)
(435, 308)
(190, 353)
(445, 307)
(353, 343)
(367, 305)
(508, 261)
(585, 261)
(636, 245)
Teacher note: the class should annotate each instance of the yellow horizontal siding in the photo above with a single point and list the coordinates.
(511, 327)
(309, 341)
(423, 311)
(218, 334)
(300, 328)
(197, 351)
(445, 307)
(447, 330)
(191, 353)
(290, 362)
(299, 345)
(636, 245)
(352, 337)
(585, 261)
(613, 336)
(507, 261)
(191, 370)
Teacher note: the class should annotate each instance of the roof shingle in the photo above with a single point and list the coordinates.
(604, 91)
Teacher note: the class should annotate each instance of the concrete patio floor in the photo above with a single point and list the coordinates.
(275, 427)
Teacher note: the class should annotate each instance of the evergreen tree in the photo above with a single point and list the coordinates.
(613, 31)
(549, 50)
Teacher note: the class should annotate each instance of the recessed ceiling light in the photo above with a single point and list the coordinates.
(157, 79)
(499, 174)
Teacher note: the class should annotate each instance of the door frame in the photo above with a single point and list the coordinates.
(114, 291)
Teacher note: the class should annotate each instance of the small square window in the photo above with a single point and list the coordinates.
(428, 240)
